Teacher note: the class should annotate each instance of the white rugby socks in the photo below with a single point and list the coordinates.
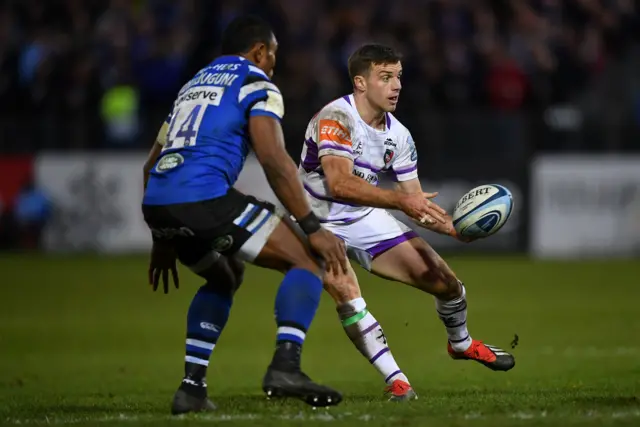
(454, 316)
(366, 334)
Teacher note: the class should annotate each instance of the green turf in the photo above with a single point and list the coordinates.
(84, 340)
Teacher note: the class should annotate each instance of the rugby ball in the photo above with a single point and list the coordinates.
(482, 211)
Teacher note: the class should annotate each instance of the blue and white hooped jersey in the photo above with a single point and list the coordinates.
(205, 137)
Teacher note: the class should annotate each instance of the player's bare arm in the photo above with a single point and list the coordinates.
(446, 228)
(345, 186)
(413, 186)
(282, 174)
(153, 155)
(279, 168)
(163, 257)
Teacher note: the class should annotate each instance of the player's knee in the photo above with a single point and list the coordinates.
(308, 264)
(303, 259)
(306, 261)
(341, 287)
(225, 277)
(425, 279)
(438, 280)
(450, 290)
(289, 251)
(237, 267)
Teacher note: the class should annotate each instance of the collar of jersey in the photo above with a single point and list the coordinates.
(228, 57)
(352, 104)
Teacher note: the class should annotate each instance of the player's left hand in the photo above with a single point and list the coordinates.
(464, 239)
(447, 229)
(163, 260)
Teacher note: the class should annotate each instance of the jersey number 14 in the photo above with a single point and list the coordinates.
(185, 123)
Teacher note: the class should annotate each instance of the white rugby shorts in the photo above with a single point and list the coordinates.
(371, 236)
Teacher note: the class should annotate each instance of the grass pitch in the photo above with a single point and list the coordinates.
(84, 341)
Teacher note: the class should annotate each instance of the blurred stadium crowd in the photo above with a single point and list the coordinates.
(489, 85)
(85, 74)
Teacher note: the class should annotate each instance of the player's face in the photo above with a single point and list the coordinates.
(383, 86)
(266, 59)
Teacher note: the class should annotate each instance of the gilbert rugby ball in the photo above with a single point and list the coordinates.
(482, 211)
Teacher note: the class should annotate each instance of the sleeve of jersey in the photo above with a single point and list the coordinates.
(334, 134)
(259, 97)
(405, 166)
(161, 138)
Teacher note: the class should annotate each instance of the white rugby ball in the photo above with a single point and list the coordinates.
(482, 211)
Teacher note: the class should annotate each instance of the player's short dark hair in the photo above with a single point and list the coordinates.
(361, 61)
(243, 33)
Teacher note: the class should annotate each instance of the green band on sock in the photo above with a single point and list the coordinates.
(355, 318)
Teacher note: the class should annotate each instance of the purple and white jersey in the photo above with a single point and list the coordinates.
(338, 130)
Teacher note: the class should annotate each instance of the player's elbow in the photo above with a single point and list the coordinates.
(274, 167)
(155, 152)
(146, 168)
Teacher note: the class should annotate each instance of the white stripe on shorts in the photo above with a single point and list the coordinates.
(256, 222)
(252, 247)
(244, 213)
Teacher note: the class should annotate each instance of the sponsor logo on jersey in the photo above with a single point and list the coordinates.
(334, 131)
(203, 94)
(370, 178)
(222, 244)
(414, 152)
(390, 142)
(358, 150)
(388, 156)
(169, 161)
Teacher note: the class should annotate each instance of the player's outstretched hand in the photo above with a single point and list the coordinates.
(447, 229)
(163, 261)
(331, 249)
(461, 238)
(420, 208)
(464, 239)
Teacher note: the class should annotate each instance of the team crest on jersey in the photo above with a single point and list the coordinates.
(388, 156)
(222, 244)
(169, 161)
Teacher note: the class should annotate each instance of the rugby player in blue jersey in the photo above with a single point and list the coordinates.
(197, 217)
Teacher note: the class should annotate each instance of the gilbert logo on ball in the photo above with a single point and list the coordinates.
(483, 210)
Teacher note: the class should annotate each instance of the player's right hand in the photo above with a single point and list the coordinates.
(420, 208)
(331, 249)
(163, 259)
